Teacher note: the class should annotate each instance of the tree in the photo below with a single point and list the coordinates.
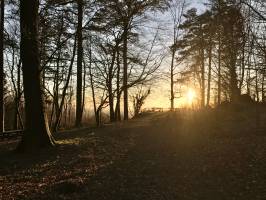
(2, 66)
(193, 46)
(36, 134)
(176, 11)
(139, 100)
(79, 107)
(232, 24)
(126, 14)
(255, 10)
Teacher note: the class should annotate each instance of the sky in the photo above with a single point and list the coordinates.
(160, 91)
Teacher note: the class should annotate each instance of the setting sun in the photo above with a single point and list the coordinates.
(191, 94)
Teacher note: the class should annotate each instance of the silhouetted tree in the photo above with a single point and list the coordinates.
(2, 14)
(79, 97)
(36, 133)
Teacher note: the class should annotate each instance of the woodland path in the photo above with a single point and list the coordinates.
(167, 156)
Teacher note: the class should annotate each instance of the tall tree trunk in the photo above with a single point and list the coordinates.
(93, 95)
(172, 97)
(58, 117)
(79, 66)
(262, 87)
(19, 93)
(110, 87)
(17, 116)
(15, 122)
(219, 70)
(248, 80)
(209, 74)
(55, 106)
(234, 90)
(84, 87)
(242, 71)
(37, 133)
(92, 85)
(2, 122)
(202, 78)
(257, 87)
(219, 54)
(125, 66)
(118, 93)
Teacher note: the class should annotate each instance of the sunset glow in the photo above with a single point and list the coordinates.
(191, 94)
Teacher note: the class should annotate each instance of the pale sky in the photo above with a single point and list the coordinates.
(160, 92)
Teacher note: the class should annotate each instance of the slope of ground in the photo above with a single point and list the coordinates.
(181, 155)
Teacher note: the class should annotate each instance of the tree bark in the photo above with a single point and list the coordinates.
(19, 93)
(110, 87)
(262, 88)
(58, 117)
(219, 69)
(36, 134)
(257, 87)
(172, 98)
(202, 78)
(118, 92)
(92, 84)
(209, 74)
(79, 66)
(219, 54)
(125, 66)
(2, 123)
(234, 90)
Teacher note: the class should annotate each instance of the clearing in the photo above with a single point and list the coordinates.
(208, 155)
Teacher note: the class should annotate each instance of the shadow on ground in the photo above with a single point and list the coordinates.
(181, 155)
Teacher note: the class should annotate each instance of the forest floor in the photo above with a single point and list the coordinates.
(210, 155)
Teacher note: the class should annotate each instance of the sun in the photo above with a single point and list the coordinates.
(191, 94)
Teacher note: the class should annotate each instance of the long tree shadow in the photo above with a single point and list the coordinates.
(176, 156)
(78, 156)
(136, 175)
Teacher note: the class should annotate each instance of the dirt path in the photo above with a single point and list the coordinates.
(168, 156)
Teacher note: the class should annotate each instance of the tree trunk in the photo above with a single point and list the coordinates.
(125, 88)
(202, 79)
(209, 74)
(58, 117)
(242, 71)
(257, 87)
(92, 85)
(55, 106)
(262, 87)
(98, 117)
(110, 87)
(219, 55)
(248, 79)
(219, 71)
(79, 66)
(234, 90)
(2, 123)
(19, 93)
(118, 93)
(36, 134)
(84, 87)
(172, 98)
(15, 122)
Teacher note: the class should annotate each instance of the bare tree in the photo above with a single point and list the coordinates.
(139, 100)
(176, 10)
